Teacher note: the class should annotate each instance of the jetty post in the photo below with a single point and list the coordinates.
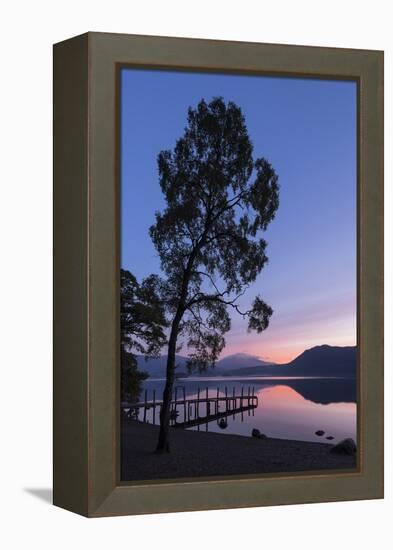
(207, 407)
(145, 408)
(154, 407)
(197, 407)
(185, 406)
(235, 403)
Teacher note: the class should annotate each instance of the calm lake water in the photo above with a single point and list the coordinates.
(288, 407)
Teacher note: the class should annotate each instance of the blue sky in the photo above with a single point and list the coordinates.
(307, 130)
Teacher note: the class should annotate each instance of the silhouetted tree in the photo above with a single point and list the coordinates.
(131, 377)
(218, 202)
(142, 323)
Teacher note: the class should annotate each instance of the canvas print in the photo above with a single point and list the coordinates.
(238, 293)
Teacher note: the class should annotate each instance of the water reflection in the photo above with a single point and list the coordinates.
(290, 408)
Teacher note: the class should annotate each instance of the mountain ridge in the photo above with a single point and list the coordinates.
(156, 366)
(323, 360)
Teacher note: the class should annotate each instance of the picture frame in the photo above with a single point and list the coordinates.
(86, 424)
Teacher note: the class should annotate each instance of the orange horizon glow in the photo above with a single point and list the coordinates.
(281, 356)
(285, 339)
(283, 351)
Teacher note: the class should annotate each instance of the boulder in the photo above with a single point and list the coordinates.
(255, 432)
(319, 433)
(330, 437)
(345, 447)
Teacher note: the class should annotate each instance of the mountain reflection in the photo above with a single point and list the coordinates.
(288, 408)
(319, 390)
(325, 391)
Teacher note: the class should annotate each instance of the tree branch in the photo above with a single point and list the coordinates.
(199, 320)
(218, 298)
(211, 280)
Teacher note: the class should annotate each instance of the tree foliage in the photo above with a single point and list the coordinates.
(142, 329)
(131, 377)
(209, 238)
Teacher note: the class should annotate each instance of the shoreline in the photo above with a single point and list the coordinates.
(204, 454)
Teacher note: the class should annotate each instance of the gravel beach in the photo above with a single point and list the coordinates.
(201, 454)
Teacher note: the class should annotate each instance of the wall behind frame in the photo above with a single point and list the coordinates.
(28, 33)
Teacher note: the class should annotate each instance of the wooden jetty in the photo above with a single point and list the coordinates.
(194, 411)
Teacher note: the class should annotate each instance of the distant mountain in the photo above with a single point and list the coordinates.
(240, 360)
(324, 361)
(318, 361)
(156, 366)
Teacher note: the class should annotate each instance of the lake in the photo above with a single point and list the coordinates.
(288, 407)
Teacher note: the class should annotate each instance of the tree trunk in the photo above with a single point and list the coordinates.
(163, 438)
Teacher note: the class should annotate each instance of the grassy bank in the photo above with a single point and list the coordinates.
(201, 454)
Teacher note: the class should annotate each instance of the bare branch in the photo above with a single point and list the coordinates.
(211, 280)
(199, 320)
(217, 298)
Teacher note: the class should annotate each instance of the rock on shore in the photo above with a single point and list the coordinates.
(345, 447)
(198, 454)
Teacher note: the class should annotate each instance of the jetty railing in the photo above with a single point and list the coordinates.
(187, 412)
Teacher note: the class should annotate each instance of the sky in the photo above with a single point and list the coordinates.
(307, 130)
